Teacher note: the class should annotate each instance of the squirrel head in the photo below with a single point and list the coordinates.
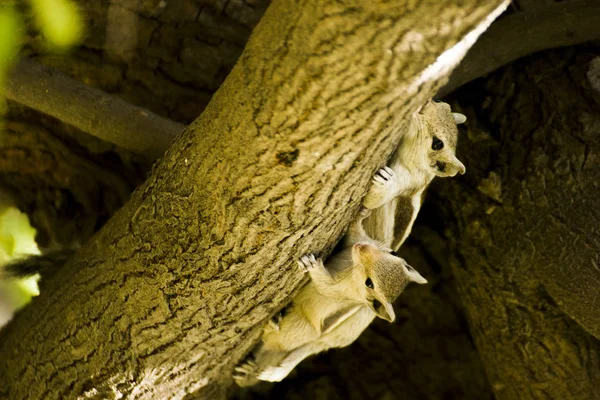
(382, 277)
(438, 127)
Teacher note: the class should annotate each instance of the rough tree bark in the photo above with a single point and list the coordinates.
(524, 226)
(168, 296)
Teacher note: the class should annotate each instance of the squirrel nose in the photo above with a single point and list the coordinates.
(459, 166)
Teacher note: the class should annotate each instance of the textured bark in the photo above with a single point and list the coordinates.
(173, 290)
(524, 225)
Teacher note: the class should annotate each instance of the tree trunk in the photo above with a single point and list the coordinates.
(174, 289)
(524, 226)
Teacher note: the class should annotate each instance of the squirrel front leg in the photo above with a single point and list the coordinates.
(387, 184)
(316, 269)
(246, 373)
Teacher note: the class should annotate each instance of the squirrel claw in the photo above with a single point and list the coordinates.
(245, 369)
(381, 186)
(384, 175)
(308, 262)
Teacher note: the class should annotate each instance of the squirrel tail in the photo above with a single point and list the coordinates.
(43, 264)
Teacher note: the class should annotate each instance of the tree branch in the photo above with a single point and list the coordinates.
(523, 33)
(91, 110)
(174, 289)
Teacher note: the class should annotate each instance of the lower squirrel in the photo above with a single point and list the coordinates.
(342, 298)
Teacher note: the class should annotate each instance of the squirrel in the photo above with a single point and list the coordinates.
(342, 298)
(426, 150)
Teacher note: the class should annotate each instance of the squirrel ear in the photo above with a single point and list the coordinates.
(417, 278)
(414, 275)
(385, 311)
(362, 252)
(459, 118)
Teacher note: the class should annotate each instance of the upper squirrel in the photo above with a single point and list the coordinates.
(343, 297)
(426, 150)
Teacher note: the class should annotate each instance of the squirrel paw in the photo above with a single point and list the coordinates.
(308, 262)
(384, 176)
(245, 371)
(381, 185)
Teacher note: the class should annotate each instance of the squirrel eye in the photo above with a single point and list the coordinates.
(369, 283)
(437, 144)
(394, 254)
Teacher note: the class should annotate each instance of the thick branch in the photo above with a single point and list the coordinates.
(522, 33)
(91, 110)
(174, 289)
